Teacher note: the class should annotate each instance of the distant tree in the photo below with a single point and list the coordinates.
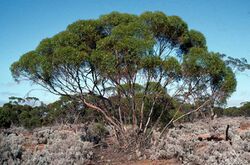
(65, 110)
(16, 100)
(9, 114)
(5, 118)
(18, 112)
(152, 55)
(23, 101)
(245, 109)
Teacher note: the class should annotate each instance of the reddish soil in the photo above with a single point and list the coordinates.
(154, 162)
(245, 125)
(115, 156)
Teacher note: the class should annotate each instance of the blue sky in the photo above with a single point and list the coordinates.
(24, 23)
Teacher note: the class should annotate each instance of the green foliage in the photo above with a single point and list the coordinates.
(5, 118)
(208, 70)
(219, 111)
(174, 114)
(171, 28)
(10, 113)
(196, 63)
(99, 129)
(30, 119)
(154, 88)
(64, 110)
(232, 112)
(115, 64)
(193, 38)
(15, 114)
(172, 68)
(245, 109)
(237, 64)
(162, 109)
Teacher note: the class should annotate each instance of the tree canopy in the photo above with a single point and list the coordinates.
(122, 59)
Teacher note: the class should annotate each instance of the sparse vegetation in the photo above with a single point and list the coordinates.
(243, 110)
(132, 69)
(128, 78)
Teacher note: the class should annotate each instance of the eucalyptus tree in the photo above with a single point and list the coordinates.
(133, 58)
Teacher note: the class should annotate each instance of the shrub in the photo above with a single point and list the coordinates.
(5, 119)
(30, 119)
(245, 109)
(99, 129)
